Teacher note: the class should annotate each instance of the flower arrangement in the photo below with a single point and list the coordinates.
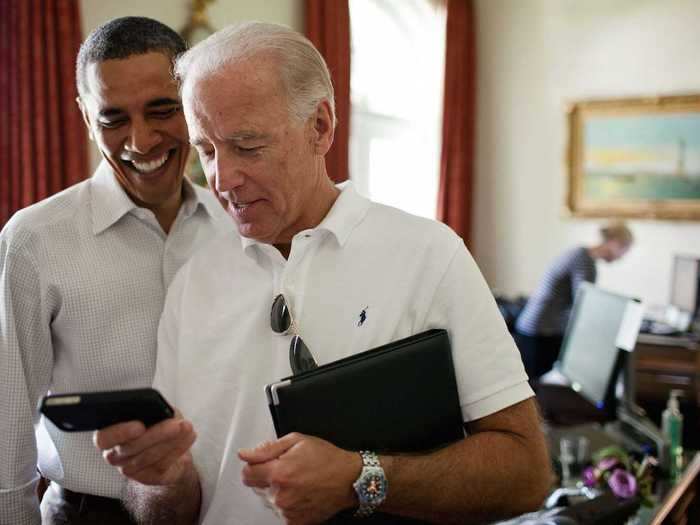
(623, 474)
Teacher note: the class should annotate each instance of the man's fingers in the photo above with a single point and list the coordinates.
(164, 435)
(257, 476)
(159, 456)
(162, 432)
(269, 450)
(112, 436)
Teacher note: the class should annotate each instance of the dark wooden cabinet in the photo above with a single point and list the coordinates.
(664, 363)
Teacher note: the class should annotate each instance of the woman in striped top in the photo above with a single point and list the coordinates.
(540, 327)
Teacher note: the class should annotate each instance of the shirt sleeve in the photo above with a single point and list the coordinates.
(489, 369)
(583, 270)
(26, 361)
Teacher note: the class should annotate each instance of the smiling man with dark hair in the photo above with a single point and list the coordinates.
(83, 274)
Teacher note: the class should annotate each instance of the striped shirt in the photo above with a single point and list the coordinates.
(547, 311)
(83, 277)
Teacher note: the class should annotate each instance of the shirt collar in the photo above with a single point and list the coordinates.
(194, 199)
(110, 202)
(347, 212)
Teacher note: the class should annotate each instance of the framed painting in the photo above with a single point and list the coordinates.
(637, 158)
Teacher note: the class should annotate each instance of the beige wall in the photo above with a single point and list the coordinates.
(174, 13)
(534, 56)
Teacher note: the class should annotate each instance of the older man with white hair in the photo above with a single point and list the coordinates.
(355, 274)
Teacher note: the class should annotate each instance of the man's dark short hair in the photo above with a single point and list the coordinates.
(124, 37)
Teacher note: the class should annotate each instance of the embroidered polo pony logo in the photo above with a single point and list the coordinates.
(363, 316)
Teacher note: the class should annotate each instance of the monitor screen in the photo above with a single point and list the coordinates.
(685, 282)
(590, 356)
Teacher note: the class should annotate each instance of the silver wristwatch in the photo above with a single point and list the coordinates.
(371, 487)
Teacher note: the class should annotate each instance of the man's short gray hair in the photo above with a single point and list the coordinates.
(304, 73)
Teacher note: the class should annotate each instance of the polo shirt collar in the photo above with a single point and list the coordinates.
(110, 202)
(347, 212)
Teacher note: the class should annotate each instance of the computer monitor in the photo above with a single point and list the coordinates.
(591, 356)
(685, 285)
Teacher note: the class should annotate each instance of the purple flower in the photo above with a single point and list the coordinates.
(622, 483)
(589, 477)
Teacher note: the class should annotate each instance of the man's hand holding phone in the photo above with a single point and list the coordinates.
(157, 455)
(165, 485)
(137, 430)
(146, 439)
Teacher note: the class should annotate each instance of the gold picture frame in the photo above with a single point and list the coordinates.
(635, 158)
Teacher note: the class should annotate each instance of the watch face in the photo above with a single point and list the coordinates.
(372, 489)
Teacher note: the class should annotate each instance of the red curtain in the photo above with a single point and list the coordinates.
(459, 120)
(328, 27)
(43, 147)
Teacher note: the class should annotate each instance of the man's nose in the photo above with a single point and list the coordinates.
(142, 137)
(228, 174)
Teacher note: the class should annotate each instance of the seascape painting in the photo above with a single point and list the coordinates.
(635, 158)
(652, 157)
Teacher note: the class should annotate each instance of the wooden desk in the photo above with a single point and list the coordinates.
(661, 364)
(680, 505)
(677, 504)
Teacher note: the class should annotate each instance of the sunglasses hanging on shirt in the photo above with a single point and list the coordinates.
(282, 322)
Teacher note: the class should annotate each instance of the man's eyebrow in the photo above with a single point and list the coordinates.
(238, 136)
(165, 101)
(110, 112)
(156, 103)
(247, 135)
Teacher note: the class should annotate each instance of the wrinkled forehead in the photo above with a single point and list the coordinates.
(239, 78)
(236, 96)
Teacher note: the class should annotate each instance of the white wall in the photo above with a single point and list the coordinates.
(534, 56)
(174, 14)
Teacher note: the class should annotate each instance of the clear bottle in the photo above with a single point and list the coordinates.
(672, 428)
(567, 460)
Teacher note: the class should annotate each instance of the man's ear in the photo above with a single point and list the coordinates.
(86, 117)
(324, 130)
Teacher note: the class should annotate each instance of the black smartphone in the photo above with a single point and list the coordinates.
(83, 411)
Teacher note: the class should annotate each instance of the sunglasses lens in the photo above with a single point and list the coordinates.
(279, 315)
(300, 358)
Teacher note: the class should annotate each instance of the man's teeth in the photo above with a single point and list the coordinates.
(148, 167)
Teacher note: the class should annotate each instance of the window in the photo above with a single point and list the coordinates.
(398, 50)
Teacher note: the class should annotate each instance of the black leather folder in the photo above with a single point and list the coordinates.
(397, 398)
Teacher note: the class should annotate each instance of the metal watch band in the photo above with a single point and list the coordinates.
(370, 466)
(365, 511)
(369, 458)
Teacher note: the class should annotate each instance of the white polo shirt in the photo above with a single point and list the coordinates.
(407, 274)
